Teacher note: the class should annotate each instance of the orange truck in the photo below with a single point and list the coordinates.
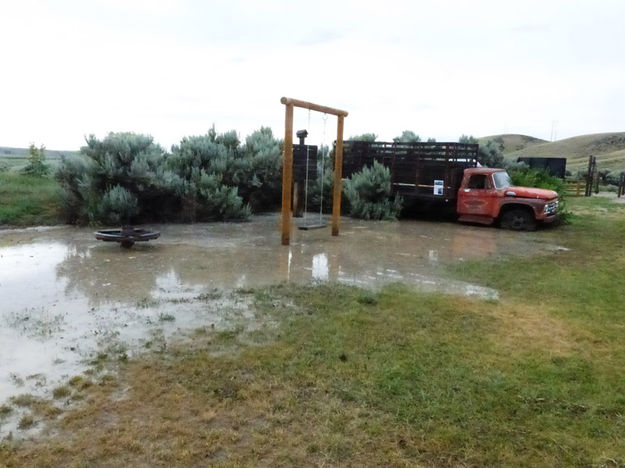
(447, 177)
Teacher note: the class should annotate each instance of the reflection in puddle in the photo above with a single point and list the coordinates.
(64, 297)
(320, 267)
(433, 256)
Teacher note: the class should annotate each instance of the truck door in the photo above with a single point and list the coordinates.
(478, 197)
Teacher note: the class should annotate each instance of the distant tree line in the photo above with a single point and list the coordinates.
(490, 154)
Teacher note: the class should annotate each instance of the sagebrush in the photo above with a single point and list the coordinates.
(369, 194)
(127, 178)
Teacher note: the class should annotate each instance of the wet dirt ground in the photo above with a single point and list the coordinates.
(66, 298)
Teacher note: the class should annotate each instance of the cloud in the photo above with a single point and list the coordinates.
(320, 36)
(174, 68)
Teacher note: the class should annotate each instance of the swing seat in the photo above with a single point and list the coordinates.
(308, 227)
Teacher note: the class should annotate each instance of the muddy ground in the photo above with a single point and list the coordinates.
(66, 298)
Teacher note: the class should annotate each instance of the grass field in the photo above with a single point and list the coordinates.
(344, 376)
(29, 201)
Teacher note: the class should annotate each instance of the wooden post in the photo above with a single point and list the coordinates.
(338, 173)
(287, 175)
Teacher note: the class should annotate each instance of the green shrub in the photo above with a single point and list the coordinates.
(204, 171)
(118, 206)
(364, 137)
(489, 154)
(542, 178)
(369, 194)
(117, 179)
(36, 162)
(613, 178)
(539, 178)
(213, 200)
(408, 136)
(260, 170)
(127, 178)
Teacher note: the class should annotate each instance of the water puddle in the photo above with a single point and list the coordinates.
(65, 297)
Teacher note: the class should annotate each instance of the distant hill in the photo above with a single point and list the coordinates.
(609, 148)
(20, 153)
(17, 158)
(512, 142)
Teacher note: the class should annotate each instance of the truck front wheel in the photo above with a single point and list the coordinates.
(518, 220)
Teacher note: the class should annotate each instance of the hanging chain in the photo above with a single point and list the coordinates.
(306, 182)
(323, 164)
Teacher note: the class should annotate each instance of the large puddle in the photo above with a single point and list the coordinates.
(65, 297)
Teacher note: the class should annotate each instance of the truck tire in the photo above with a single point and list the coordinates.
(518, 220)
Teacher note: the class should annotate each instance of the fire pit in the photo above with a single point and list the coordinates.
(126, 236)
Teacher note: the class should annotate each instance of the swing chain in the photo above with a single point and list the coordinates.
(320, 152)
(306, 182)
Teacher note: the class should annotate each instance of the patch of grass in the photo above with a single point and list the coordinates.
(28, 200)
(166, 317)
(24, 400)
(45, 409)
(79, 382)
(146, 303)
(61, 392)
(99, 360)
(5, 410)
(26, 422)
(579, 282)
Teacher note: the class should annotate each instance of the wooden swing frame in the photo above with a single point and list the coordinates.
(287, 164)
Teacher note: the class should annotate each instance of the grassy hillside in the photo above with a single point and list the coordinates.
(512, 142)
(609, 148)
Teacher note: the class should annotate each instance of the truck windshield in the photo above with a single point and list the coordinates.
(502, 180)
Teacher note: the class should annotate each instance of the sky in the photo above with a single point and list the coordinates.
(551, 69)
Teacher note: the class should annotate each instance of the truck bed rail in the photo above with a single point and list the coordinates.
(417, 169)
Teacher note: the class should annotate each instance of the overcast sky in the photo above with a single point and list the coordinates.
(173, 68)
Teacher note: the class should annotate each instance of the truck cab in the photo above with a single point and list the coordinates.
(486, 196)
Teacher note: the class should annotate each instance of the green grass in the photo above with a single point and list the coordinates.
(584, 276)
(29, 201)
(387, 378)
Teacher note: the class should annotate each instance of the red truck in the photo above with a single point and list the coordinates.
(447, 176)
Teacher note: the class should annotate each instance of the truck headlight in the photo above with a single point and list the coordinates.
(551, 208)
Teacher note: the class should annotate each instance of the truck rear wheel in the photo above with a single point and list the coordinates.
(518, 220)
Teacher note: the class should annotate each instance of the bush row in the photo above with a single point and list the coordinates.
(126, 178)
